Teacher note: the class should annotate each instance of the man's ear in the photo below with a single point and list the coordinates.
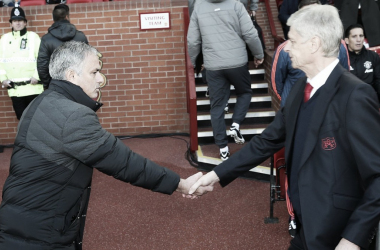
(346, 40)
(70, 75)
(315, 44)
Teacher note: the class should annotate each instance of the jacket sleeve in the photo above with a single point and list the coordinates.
(248, 31)
(259, 148)
(343, 56)
(194, 39)
(364, 141)
(3, 73)
(283, 14)
(376, 75)
(43, 64)
(278, 71)
(86, 141)
(37, 42)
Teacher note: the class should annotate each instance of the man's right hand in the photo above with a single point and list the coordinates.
(6, 83)
(204, 184)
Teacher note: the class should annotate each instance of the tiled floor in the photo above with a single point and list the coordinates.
(121, 216)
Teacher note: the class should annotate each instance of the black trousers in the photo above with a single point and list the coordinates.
(20, 104)
(298, 242)
(219, 82)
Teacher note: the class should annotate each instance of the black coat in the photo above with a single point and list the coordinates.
(60, 32)
(59, 143)
(339, 174)
(370, 16)
(366, 66)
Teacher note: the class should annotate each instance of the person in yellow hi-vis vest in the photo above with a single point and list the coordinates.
(18, 62)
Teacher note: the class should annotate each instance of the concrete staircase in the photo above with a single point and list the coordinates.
(260, 114)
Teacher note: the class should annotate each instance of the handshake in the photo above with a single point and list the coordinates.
(197, 185)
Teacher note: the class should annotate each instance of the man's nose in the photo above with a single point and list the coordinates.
(99, 78)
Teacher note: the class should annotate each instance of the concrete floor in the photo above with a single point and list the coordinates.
(121, 216)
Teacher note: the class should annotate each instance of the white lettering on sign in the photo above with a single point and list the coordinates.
(154, 21)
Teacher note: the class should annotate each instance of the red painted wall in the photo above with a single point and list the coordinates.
(145, 69)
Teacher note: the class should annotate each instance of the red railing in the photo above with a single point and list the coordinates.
(190, 88)
(277, 39)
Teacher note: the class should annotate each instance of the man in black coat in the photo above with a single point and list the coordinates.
(59, 143)
(365, 64)
(369, 17)
(61, 31)
(329, 127)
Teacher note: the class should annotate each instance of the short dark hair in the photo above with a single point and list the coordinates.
(60, 12)
(351, 27)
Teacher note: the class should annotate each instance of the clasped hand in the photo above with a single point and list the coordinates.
(197, 185)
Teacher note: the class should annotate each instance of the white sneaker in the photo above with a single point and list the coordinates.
(224, 155)
(235, 133)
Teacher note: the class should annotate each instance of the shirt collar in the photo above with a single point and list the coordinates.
(320, 79)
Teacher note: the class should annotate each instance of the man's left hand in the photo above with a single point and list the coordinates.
(33, 80)
(257, 62)
(346, 245)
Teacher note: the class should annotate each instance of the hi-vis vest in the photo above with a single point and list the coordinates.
(18, 61)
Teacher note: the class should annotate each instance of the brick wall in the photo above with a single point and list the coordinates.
(145, 69)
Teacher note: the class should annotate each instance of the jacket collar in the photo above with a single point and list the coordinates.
(74, 93)
(353, 54)
(19, 33)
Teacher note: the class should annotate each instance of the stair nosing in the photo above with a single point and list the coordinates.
(207, 117)
(252, 131)
(254, 99)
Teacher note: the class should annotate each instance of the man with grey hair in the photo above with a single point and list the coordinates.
(329, 127)
(59, 143)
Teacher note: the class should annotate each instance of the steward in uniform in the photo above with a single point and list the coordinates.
(18, 62)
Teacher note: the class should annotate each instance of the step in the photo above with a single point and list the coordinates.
(261, 85)
(250, 114)
(208, 155)
(251, 72)
(248, 129)
(257, 98)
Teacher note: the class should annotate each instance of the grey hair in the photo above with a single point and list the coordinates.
(69, 56)
(322, 21)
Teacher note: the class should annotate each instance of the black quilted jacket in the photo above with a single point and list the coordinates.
(59, 142)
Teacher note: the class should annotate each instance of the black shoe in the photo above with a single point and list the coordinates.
(207, 94)
(224, 155)
(235, 133)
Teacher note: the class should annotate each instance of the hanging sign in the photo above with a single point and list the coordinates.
(152, 21)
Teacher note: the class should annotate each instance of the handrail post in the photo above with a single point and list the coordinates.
(190, 88)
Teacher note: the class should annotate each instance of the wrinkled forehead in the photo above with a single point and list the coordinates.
(293, 34)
